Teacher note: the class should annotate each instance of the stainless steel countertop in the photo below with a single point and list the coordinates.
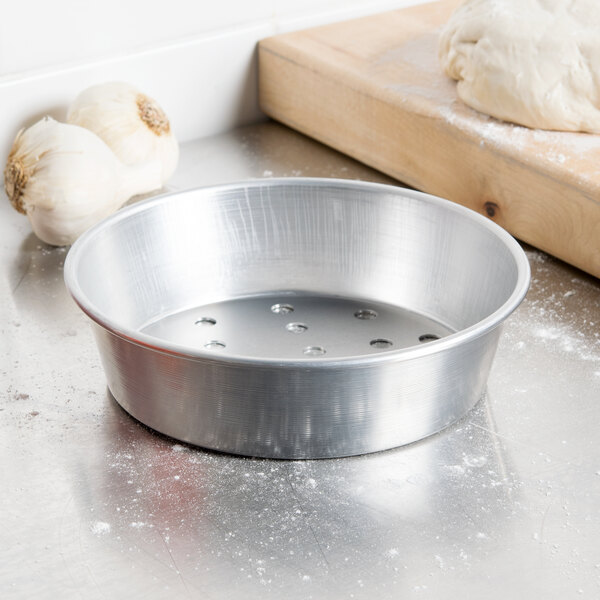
(504, 504)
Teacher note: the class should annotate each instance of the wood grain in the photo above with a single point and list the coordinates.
(373, 89)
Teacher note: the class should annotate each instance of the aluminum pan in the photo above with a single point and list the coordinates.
(301, 407)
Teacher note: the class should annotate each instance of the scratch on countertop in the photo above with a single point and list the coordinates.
(187, 589)
(297, 499)
(21, 279)
(543, 522)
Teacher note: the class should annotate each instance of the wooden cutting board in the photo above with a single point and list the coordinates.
(372, 88)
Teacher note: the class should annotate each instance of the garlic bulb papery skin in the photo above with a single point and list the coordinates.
(132, 124)
(66, 179)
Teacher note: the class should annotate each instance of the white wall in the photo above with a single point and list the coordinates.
(196, 58)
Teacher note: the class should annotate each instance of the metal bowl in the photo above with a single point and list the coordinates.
(297, 318)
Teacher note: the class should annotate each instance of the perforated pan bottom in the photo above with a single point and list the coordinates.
(296, 325)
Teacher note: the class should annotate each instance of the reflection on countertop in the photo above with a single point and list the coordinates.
(503, 504)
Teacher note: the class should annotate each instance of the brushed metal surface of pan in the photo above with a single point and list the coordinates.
(297, 318)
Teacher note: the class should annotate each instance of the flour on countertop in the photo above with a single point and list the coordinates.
(549, 322)
(100, 528)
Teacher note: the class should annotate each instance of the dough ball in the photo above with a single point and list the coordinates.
(532, 62)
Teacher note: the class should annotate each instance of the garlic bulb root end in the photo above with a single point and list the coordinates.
(152, 115)
(15, 180)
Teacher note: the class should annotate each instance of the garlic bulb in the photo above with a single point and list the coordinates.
(133, 125)
(65, 179)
